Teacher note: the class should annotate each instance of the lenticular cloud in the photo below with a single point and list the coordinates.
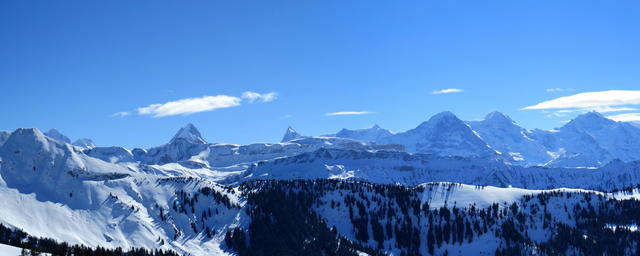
(190, 106)
(588, 100)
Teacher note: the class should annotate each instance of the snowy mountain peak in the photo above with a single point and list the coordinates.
(26, 141)
(442, 120)
(498, 117)
(84, 143)
(290, 134)
(26, 136)
(514, 142)
(592, 117)
(189, 133)
(444, 116)
(56, 135)
(588, 121)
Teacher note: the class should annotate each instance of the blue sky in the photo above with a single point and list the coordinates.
(73, 65)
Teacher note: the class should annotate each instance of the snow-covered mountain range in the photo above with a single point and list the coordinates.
(590, 140)
(187, 194)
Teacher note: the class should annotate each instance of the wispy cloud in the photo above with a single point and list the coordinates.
(560, 89)
(346, 113)
(120, 114)
(604, 109)
(190, 106)
(287, 116)
(561, 113)
(450, 90)
(627, 117)
(254, 96)
(603, 100)
(607, 109)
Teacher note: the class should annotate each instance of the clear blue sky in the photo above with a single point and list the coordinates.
(73, 64)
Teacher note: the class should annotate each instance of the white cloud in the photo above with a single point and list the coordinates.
(190, 105)
(450, 90)
(560, 89)
(287, 116)
(254, 96)
(602, 100)
(606, 109)
(561, 113)
(627, 117)
(120, 114)
(346, 113)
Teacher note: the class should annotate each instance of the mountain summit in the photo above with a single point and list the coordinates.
(56, 135)
(503, 134)
(186, 143)
(291, 134)
(498, 118)
(589, 121)
(190, 134)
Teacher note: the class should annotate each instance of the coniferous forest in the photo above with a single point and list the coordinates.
(330, 217)
(392, 218)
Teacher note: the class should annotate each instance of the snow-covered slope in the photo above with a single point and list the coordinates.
(84, 143)
(371, 134)
(413, 169)
(4, 135)
(131, 212)
(110, 154)
(32, 162)
(51, 189)
(8, 250)
(445, 135)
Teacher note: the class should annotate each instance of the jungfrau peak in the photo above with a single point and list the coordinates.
(589, 121)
